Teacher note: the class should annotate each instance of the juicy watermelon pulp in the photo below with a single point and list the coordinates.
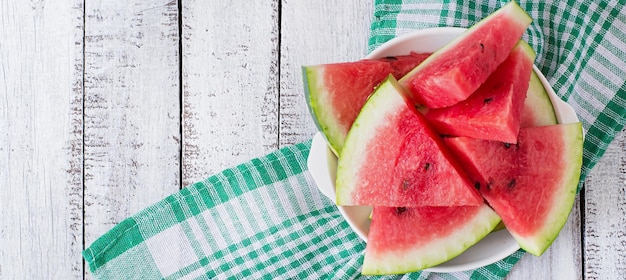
(531, 185)
(409, 239)
(493, 111)
(336, 92)
(392, 157)
(403, 64)
(455, 71)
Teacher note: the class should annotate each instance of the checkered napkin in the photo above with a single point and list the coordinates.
(266, 219)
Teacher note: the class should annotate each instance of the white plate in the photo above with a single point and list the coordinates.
(322, 162)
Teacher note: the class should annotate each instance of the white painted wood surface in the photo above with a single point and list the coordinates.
(315, 34)
(109, 106)
(41, 188)
(604, 230)
(131, 109)
(230, 84)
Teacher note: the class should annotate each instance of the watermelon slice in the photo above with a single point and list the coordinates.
(538, 109)
(402, 240)
(393, 158)
(455, 71)
(493, 111)
(531, 185)
(336, 92)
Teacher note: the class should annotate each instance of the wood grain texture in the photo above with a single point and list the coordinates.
(41, 140)
(315, 34)
(230, 84)
(132, 122)
(605, 215)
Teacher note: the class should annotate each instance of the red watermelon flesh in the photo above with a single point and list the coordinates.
(455, 71)
(336, 92)
(402, 240)
(531, 185)
(392, 157)
(403, 64)
(493, 111)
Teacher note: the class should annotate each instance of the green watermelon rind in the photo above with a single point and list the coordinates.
(368, 124)
(563, 201)
(313, 90)
(539, 101)
(512, 8)
(537, 98)
(436, 252)
(524, 46)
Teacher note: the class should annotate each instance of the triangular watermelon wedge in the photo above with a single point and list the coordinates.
(336, 92)
(455, 71)
(402, 240)
(493, 111)
(531, 185)
(392, 157)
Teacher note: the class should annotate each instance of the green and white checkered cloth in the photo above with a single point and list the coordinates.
(266, 219)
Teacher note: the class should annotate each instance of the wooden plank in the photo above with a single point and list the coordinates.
(314, 34)
(605, 215)
(230, 84)
(562, 260)
(132, 113)
(41, 140)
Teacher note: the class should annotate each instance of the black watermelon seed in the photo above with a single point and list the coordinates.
(511, 184)
(405, 184)
(400, 210)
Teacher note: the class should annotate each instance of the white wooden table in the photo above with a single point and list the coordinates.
(109, 106)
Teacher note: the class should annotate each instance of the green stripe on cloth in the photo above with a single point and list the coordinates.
(191, 201)
(261, 219)
(265, 219)
(115, 242)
